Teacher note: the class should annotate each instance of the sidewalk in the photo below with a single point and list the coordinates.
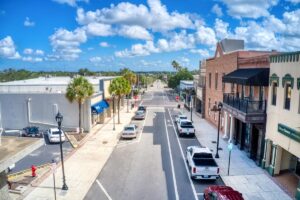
(245, 176)
(82, 168)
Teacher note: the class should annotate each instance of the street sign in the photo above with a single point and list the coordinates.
(177, 98)
(230, 146)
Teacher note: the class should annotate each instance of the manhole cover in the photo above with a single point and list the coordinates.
(104, 142)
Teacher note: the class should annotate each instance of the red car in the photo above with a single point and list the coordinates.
(217, 192)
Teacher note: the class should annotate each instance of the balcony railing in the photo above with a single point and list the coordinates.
(244, 104)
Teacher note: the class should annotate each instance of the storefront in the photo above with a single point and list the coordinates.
(99, 112)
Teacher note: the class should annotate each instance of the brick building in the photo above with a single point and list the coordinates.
(234, 76)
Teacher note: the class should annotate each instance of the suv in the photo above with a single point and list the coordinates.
(31, 131)
(218, 192)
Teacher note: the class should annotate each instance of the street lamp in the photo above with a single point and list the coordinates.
(59, 119)
(218, 108)
(114, 128)
(191, 107)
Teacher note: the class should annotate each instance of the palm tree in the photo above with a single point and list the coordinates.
(119, 87)
(79, 89)
(176, 65)
(131, 78)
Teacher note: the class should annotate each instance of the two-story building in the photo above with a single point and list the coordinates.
(282, 141)
(200, 89)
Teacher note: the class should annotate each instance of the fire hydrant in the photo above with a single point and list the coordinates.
(33, 169)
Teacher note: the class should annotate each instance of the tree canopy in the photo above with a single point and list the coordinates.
(182, 74)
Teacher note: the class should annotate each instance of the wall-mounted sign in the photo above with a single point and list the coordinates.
(289, 132)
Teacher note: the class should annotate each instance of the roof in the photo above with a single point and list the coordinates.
(13, 149)
(198, 149)
(248, 76)
(187, 82)
(229, 45)
(63, 80)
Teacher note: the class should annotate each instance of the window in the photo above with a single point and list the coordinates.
(223, 84)
(299, 104)
(232, 88)
(287, 96)
(209, 106)
(274, 93)
(216, 81)
(243, 91)
(209, 80)
(251, 92)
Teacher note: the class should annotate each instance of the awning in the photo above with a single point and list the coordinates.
(249, 76)
(100, 107)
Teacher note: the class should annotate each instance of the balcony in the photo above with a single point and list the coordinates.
(249, 111)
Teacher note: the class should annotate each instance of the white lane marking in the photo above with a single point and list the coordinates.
(143, 127)
(171, 159)
(103, 189)
(183, 159)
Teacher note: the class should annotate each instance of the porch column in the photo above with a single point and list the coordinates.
(274, 168)
(231, 128)
(225, 136)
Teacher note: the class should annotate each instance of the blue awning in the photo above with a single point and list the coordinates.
(99, 107)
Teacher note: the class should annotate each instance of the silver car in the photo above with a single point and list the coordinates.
(53, 135)
(130, 131)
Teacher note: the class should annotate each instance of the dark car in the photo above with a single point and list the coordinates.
(217, 192)
(142, 108)
(31, 131)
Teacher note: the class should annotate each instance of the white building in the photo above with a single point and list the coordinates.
(37, 101)
(282, 142)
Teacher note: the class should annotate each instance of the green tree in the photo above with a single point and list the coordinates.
(119, 87)
(79, 89)
(183, 74)
(176, 65)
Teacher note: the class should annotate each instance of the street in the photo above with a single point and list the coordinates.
(153, 166)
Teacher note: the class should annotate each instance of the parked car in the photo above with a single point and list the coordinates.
(186, 127)
(53, 135)
(142, 108)
(139, 114)
(218, 192)
(130, 131)
(31, 131)
(201, 162)
(180, 117)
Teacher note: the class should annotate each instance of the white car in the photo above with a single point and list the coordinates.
(53, 135)
(130, 131)
(180, 117)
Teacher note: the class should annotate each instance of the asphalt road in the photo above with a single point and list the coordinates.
(153, 165)
(42, 155)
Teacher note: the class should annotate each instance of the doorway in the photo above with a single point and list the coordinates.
(254, 143)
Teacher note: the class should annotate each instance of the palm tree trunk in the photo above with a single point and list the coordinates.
(79, 117)
(119, 100)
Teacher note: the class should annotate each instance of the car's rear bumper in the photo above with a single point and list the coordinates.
(187, 134)
(204, 177)
(56, 140)
(128, 136)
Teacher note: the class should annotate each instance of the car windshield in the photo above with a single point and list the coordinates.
(129, 129)
(183, 117)
(186, 124)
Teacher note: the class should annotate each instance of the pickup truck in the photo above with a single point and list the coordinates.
(185, 127)
(201, 163)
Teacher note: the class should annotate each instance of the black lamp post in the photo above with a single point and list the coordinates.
(59, 119)
(114, 128)
(218, 108)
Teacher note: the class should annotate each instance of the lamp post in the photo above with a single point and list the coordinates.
(218, 108)
(114, 128)
(191, 107)
(59, 119)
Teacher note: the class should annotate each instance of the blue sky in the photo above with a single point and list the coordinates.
(141, 35)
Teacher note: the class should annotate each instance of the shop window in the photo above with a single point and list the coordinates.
(216, 81)
(232, 88)
(287, 96)
(223, 84)
(274, 93)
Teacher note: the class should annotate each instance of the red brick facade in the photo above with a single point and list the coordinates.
(224, 63)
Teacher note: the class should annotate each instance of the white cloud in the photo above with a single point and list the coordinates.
(155, 17)
(72, 3)
(32, 59)
(201, 52)
(221, 29)
(28, 23)
(66, 43)
(205, 35)
(249, 8)
(39, 52)
(104, 44)
(135, 32)
(99, 29)
(138, 50)
(95, 59)
(28, 51)
(8, 48)
(217, 10)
